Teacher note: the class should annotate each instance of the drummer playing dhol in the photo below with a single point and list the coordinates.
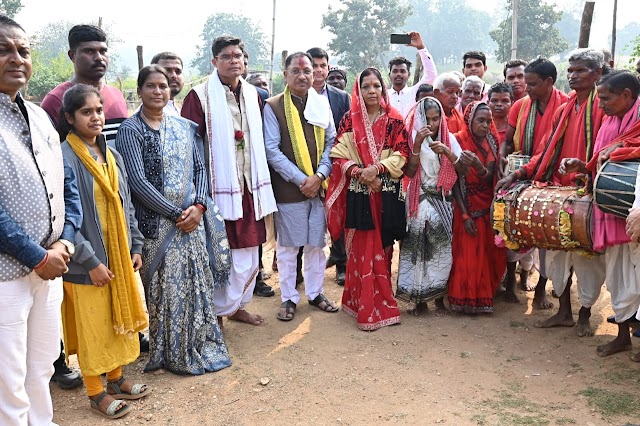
(618, 94)
(530, 119)
(576, 127)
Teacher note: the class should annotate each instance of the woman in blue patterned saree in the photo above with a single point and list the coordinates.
(185, 250)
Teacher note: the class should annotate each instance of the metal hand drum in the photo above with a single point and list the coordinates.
(551, 217)
(614, 187)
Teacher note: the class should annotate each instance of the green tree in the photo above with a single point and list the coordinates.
(51, 63)
(10, 7)
(433, 20)
(537, 34)
(226, 23)
(361, 30)
(47, 73)
(626, 37)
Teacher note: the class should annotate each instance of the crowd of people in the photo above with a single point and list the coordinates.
(185, 197)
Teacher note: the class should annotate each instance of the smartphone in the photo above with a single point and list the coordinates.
(400, 38)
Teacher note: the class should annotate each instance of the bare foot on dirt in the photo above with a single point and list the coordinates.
(584, 327)
(558, 320)
(542, 302)
(418, 308)
(527, 286)
(244, 316)
(509, 296)
(441, 309)
(524, 282)
(613, 347)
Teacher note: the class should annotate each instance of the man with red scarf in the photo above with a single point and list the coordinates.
(576, 126)
(530, 120)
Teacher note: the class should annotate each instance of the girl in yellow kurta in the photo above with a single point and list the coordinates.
(102, 310)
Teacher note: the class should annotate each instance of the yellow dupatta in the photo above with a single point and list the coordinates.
(298, 140)
(126, 305)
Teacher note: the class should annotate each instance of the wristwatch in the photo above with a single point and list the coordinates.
(69, 245)
(321, 176)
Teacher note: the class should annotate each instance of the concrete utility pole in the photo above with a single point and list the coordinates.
(585, 25)
(514, 31)
(273, 40)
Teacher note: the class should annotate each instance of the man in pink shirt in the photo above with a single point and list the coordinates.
(90, 56)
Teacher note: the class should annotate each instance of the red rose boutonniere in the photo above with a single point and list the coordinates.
(239, 137)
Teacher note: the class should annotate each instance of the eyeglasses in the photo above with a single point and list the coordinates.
(228, 58)
(298, 71)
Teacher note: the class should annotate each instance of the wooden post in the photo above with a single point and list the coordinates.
(285, 53)
(140, 60)
(99, 21)
(613, 31)
(585, 25)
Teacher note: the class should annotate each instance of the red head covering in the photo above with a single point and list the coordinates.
(447, 176)
(469, 114)
(368, 149)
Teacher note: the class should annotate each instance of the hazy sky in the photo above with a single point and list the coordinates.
(298, 22)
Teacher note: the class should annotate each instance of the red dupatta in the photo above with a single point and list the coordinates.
(368, 147)
(447, 175)
(369, 150)
(480, 200)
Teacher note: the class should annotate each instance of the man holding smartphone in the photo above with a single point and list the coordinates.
(401, 96)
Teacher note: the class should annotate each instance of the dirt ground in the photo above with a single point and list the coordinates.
(457, 370)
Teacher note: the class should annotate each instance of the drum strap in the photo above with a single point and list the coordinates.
(527, 148)
(562, 127)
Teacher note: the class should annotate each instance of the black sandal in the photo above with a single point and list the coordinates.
(289, 309)
(327, 304)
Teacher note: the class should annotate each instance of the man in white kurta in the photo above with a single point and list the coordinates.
(299, 134)
(227, 110)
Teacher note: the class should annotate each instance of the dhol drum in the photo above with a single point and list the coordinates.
(614, 187)
(549, 217)
(515, 161)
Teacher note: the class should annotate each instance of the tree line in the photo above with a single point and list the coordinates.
(360, 35)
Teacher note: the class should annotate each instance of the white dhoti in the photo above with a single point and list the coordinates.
(590, 272)
(622, 280)
(539, 259)
(525, 259)
(242, 280)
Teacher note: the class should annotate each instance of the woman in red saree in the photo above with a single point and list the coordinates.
(478, 264)
(364, 199)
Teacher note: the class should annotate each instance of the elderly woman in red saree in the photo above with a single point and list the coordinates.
(478, 264)
(365, 199)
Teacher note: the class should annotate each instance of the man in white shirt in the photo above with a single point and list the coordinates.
(173, 65)
(474, 62)
(401, 96)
